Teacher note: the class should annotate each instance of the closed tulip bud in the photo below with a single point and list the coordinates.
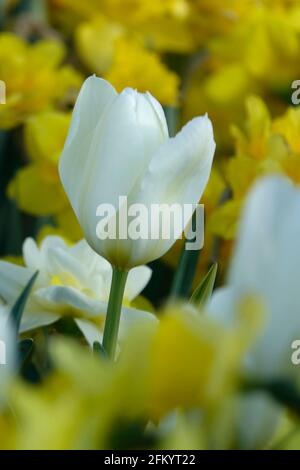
(118, 145)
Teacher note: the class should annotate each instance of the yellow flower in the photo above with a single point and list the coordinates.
(194, 361)
(261, 148)
(34, 78)
(211, 17)
(124, 11)
(125, 58)
(44, 136)
(153, 21)
(138, 68)
(229, 73)
(186, 361)
(89, 35)
(288, 125)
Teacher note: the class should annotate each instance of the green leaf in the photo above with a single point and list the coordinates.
(185, 272)
(203, 292)
(98, 349)
(18, 308)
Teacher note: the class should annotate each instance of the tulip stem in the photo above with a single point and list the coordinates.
(111, 329)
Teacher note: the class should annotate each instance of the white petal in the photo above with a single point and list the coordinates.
(84, 254)
(67, 300)
(123, 144)
(258, 418)
(8, 353)
(62, 263)
(131, 317)
(266, 263)
(49, 244)
(160, 113)
(94, 97)
(13, 279)
(137, 280)
(222, 306)
(31, 254)
(89, 331)
(177, 174)
(36, 318)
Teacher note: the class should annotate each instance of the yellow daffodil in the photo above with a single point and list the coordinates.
(89, 35)
(34, 77)
(288, 126)
(227, 74)
(80, 400)
(36, 187)
(263, 147)
(138, 68)
(124, 11)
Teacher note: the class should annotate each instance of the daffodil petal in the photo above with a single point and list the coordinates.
(37, 318)
(89, 331)
(13, 279)
(137, 280)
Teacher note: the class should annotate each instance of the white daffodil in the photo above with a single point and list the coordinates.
(266, 264)
(118, 146)
(72, 280)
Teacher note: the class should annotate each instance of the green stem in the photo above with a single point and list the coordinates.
(110, 336)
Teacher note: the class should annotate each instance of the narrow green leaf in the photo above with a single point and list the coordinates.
(186, 269)
(18, 308)
(203, 292)
(98, 349)
(185, 273)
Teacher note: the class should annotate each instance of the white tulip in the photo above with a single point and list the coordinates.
(72, 280)
(266, 264)
(118, 145)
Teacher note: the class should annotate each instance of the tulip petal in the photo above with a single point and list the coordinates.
(95, 95)
(258, 418)
(177, 174)
(124, 142)
(222, 306)
(266, 263)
